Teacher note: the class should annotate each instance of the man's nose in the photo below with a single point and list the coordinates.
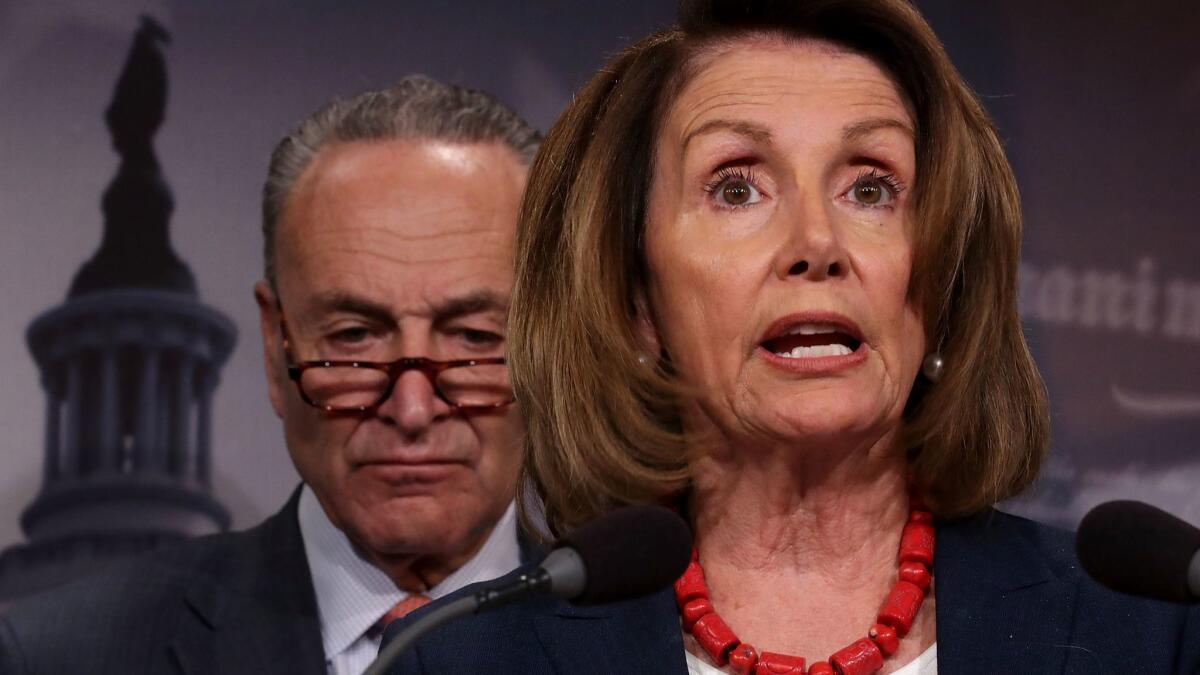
(413, 404)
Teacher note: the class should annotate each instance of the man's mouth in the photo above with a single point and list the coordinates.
(812, 340)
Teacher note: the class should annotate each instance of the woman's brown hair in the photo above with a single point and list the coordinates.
(603, 429)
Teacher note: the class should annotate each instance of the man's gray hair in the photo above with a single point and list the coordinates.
(417, 107)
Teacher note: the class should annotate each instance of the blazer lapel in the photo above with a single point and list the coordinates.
(254, 610)
(546, 636)
(1000, 608)
(638, 636)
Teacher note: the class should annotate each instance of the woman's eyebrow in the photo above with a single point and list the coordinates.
(857, 130)
(740, 127)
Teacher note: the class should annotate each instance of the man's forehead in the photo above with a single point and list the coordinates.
(426, 181)
(384, 308)
(342, 167)
(399, 214)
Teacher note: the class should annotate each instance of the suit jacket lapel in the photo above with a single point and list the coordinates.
(547, 636)
(640, 636)
(1000, 608)
(253, 609)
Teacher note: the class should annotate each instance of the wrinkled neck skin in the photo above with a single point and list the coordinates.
(835, 509)
(418, 574)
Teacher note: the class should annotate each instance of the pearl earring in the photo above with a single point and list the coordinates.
(933, 366)
(643, 359)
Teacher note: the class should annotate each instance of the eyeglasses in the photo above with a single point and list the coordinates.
(357, 386)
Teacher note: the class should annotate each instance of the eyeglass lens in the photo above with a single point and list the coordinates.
(350, 387)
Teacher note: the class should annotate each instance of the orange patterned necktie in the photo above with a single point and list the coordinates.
(402, 608)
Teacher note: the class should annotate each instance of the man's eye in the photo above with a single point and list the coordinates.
(350, 335)
(480, 337)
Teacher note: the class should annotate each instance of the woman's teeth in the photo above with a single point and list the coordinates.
(811, 341)
(802, 352)
(811, 329)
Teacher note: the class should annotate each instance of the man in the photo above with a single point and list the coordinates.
(388, 222)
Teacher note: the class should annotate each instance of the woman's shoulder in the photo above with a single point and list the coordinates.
(1013, 537)
(1017, 585)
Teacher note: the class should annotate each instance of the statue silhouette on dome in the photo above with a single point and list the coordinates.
(136, 249)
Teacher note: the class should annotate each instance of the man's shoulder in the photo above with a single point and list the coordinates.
(140, 601)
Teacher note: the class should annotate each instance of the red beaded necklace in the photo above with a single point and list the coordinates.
(862, 657)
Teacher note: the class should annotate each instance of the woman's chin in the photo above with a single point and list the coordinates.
(824, 428)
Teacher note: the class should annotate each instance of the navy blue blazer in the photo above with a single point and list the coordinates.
(237, 603)
(1011, 598)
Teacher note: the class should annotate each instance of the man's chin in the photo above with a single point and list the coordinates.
(414, 532)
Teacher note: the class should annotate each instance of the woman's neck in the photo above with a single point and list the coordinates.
(792, 508)
(799, 545)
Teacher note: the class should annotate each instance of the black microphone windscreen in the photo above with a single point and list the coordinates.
(630, 552)
(1138, 549)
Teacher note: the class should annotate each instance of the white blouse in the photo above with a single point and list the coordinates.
(925, 664)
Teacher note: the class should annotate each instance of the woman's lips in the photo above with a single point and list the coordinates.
(813, 343)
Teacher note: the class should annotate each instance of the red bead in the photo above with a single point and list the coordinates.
(691, 585)
(885, 637)
(821, 668)
(770, 663)
(920, 517)
(916, 543)
(715, 637)
(916, 574)
(900, 607)
(742, 658)
(692, 612)
(860, 658)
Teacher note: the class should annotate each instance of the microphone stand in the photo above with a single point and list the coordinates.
(528, 583)
(436, 617)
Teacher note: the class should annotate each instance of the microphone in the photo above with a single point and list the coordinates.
(1141, 550)
(627, 553)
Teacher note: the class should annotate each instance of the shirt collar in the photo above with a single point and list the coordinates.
(352, 593)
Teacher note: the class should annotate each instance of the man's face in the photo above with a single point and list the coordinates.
(388, 250)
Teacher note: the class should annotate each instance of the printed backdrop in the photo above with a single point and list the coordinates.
(1097, 102)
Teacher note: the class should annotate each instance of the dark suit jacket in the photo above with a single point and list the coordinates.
(229, 603)
(1011, 598)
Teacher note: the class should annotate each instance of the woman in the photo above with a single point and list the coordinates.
(767, 274)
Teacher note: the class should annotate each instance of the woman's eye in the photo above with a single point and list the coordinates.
(733, 188)
(738, 193)
(873, 189)
(869, 194)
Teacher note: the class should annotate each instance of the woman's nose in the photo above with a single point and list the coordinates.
(812, 247)
(832, 268)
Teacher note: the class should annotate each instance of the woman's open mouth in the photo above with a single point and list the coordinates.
(812, 340)
(814, 344)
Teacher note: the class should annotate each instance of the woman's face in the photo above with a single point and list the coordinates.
(779, 245)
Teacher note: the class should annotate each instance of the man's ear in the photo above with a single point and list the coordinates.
(647, 334)
(272, 341)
